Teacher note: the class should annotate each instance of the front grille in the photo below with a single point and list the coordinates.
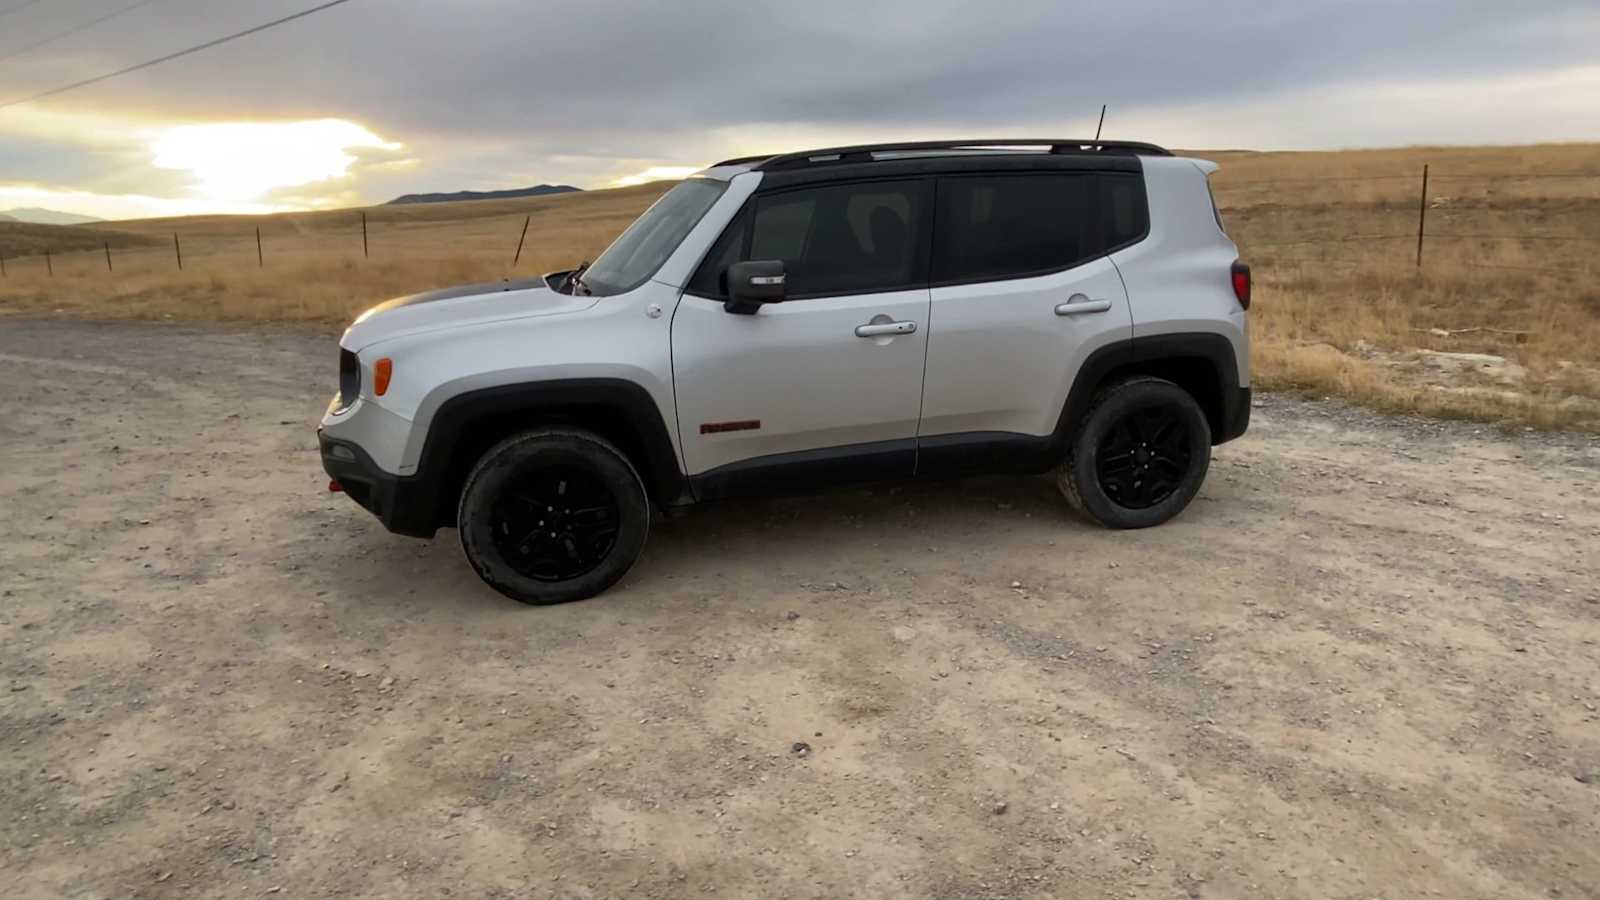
(349, 378)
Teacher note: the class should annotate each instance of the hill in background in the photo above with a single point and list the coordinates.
(45, 217)
(29, 238)
(538, 190)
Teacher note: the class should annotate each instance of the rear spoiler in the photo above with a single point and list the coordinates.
(1206, 166)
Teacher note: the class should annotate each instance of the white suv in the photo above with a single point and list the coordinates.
(806, 320)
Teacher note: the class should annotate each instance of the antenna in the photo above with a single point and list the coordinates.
(1102, 122)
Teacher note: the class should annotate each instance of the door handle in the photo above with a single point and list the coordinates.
(880, 329)
(1080, 303)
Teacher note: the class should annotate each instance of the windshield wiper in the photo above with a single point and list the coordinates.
(575, 280)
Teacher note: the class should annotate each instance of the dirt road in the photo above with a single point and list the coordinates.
(1366, 663)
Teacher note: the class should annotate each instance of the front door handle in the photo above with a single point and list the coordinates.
(1080, 303)
(880, 329)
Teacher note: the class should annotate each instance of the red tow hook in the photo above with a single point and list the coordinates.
(335, 487)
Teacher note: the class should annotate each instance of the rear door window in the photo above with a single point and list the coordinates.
(993, 227)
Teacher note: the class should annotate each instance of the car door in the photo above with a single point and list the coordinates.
(1022, 292)
(825, 386)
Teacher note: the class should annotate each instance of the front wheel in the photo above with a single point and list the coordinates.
(553, 515)
(1139, 456)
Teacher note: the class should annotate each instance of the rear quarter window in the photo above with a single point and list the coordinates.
(1124, 209)
(1215, 212)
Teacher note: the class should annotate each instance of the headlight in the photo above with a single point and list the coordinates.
(349, 379)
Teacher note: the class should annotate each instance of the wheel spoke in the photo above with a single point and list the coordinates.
(1119, 463)
(590, 513)
(1170, 466)
(556, 523)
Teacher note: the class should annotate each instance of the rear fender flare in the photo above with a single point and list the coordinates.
(1131, 355)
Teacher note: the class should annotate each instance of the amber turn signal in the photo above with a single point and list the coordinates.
(381, 372)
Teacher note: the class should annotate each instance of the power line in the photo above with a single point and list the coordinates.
(18, 8)
(171, 56)
(74, 30)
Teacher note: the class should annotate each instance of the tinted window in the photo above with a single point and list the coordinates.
(710, 279)
(1006, 226)
(836, 239)
(1126, 216)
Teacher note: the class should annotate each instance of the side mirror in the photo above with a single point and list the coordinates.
(753, 283)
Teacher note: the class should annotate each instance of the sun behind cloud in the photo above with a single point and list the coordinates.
(241, 162)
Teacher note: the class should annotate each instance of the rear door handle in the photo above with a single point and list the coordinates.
(1080, 303)
(879, 329)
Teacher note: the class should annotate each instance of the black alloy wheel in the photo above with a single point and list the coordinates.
(553, 515)
(1138, 456)
(555, 523)
(1144, 457)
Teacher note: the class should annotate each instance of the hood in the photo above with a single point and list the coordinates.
(473, 304)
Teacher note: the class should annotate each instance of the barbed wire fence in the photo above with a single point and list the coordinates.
(1426, 202)
(13, 262)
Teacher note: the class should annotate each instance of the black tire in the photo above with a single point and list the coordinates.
(588, 546)
(1114, 476)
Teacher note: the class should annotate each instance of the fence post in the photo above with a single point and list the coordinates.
(364, 252)
(1422, 214)
(107, 245)
(260, 261)
(518, 257)
(177, 250)
(3, 266)
(48, 265)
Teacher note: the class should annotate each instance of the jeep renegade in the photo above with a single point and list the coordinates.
(806, 320)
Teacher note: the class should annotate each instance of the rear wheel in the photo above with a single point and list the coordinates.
(553, 515)
(1139, 456)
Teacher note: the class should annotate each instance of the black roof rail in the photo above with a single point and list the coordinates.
(864, 152)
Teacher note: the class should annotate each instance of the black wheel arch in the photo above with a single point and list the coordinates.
(467, 425)
(1202, 363)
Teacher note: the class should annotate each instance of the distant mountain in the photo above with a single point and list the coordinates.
(47, 217)
(4, 218)
(539, 190)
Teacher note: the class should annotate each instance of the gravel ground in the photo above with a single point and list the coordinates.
(1363, 664)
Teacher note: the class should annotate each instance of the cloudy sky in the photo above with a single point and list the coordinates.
(375, 98)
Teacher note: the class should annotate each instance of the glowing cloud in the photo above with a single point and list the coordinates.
(238, 162)
(656, 173)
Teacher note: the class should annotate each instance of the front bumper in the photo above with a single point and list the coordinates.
(404, 505)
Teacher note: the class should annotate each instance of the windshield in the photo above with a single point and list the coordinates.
(640, 251)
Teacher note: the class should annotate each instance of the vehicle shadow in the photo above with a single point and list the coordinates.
(747, 538)
(801, 530)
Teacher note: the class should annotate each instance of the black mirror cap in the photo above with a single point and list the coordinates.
(753, 283)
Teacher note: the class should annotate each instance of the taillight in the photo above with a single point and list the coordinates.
(382, 370)
(1241, 283)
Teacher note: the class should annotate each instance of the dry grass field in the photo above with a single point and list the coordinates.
(1341, 306)
(1508, 269)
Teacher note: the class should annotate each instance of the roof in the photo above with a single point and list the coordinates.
(862, 153)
